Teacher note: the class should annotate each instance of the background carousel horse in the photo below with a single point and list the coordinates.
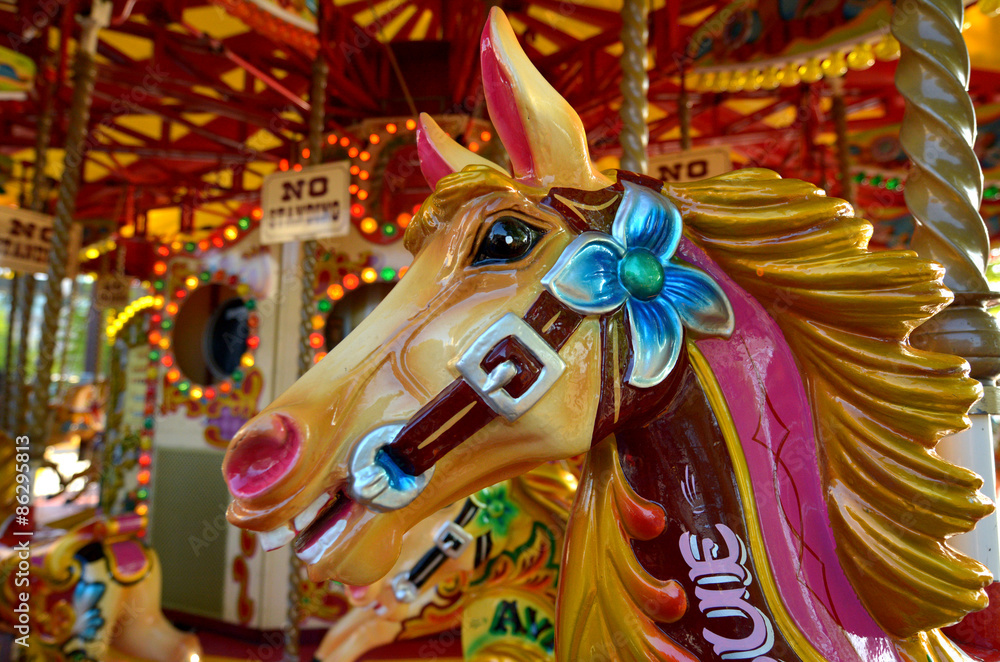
(488, 564)
(78, 418)
(94, 590)
(761, 482)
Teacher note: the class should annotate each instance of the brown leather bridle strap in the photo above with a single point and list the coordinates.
(458, 412)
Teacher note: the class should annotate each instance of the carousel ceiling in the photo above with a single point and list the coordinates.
(197, 100)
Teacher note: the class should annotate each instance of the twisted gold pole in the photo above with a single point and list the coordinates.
(111, 475)
(83, 88)
(943, 192)
(684, 113)
(839, 112)
(634, 112)
(6, 399)
(317, 126)
(18, 400)
(945, 186)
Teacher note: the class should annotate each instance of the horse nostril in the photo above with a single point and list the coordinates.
(261, 455)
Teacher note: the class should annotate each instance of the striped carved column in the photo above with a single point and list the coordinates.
(943, 193)
(69, 184)
(634, 112)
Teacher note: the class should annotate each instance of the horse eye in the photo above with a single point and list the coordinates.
(508, 239)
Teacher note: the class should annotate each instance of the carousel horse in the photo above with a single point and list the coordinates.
(94, 591)
(77, 420)
(760, 483)
(491, 568)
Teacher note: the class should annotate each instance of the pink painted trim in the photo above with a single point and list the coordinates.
(432, 164)
(780, 446)
(127, 556)
(261, 455)
(501, 99)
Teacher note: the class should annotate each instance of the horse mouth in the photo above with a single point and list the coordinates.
(316, 528)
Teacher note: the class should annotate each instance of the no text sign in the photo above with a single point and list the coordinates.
(691, 165)
(312, 203)
(26, 238)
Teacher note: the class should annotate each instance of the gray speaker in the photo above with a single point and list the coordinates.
(188, 529)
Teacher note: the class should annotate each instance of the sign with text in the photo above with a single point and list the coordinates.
(111, 291)
(691, 165)
(312, 203)
(26, 238)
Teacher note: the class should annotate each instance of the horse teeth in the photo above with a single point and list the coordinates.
(315, 551)
(276, 538)
(305, 518)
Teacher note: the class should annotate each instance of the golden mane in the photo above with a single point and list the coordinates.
(880, 406)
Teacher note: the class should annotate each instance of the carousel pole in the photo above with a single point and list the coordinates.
(6, 404)
(684, 111)
(76, 134)
(317, 125)
(635, 85)
(943, 192)
(839, 111)
(17, 402)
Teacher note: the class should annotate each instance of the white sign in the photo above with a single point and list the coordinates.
(312, 203)
(26, 238)
(111, 291)
(691, 165)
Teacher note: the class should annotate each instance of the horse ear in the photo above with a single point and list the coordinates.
(440, 155)
(543, 135)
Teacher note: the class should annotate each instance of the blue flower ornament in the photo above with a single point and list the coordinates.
(635, 266)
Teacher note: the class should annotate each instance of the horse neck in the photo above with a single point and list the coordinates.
(679, 462)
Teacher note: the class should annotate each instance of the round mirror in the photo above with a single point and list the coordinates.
(210, 334)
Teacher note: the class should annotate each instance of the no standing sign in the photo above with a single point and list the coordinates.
(310, 204)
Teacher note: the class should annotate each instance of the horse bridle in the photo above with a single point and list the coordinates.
(505, 372)
(450, 542)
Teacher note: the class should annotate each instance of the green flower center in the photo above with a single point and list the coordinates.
(641, 274)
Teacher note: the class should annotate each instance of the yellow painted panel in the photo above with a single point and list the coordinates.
(544, 45)
(214, 21)
(147, 125)
(422, 25)
(93, 171)
(565, 22)
(747, 106)
(199, 118)
(365, 17)
(178, 131)
(781, 119)
(137, 48)
(163, 222)
(981, 37)
(392, 28)
(118, 137)
(235, 78)
(263, 140)
(205, 90)
(874, 112)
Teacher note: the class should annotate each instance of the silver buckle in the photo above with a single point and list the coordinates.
(370, 483)
(452, 540)
(403, 589)
(490, 386)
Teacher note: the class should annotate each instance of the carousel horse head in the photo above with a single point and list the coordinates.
(557, 308)
(474, 351)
